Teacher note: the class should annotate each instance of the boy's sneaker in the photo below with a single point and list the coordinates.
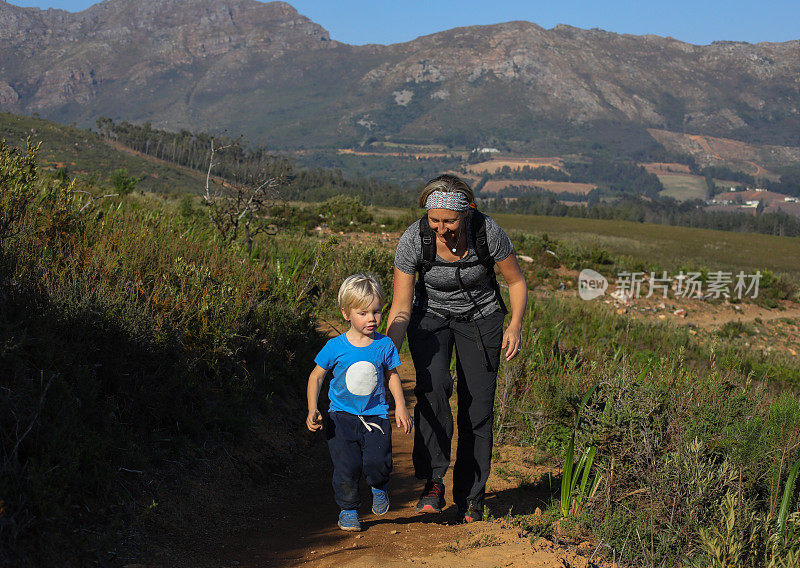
(380, 500)
(472, 513)
(432, 498)
(348, 520)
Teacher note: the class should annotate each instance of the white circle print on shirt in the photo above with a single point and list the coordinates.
(361, 378)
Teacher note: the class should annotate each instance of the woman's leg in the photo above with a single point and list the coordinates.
(431, 343)
(475, 387)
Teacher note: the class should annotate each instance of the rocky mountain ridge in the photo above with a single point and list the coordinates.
(273, 74)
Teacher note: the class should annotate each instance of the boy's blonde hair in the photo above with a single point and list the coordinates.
(358, 290)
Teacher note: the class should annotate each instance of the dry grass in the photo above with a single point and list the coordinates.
(493, 165)
(664, 168)
(496, 186)
(683, 186)
(667, 246)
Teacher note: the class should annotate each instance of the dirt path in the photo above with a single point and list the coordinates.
(296, 524)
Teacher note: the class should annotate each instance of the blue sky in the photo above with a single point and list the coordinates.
(389, 21)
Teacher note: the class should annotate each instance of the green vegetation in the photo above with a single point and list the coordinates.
(134, 330)
(669, 428)
(665, 247)
(242, 165)
(130, 333)
(85, 155)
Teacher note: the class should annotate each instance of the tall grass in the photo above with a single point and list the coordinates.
(128, 334)
(673, 427)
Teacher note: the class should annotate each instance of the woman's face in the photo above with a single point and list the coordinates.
(445, 223)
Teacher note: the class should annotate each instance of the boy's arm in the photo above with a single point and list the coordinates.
(315, 380)
(401, 415)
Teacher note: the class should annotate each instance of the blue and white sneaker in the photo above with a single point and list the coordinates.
(380, 500)
(348, 520)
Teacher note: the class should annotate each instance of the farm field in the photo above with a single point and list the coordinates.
(665, 168)
(495, 186)
(496, 164)
(683, 187)
(666, 246)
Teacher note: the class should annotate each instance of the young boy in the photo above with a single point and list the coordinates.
(358, 428)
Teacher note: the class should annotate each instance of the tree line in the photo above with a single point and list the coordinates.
(241, 163)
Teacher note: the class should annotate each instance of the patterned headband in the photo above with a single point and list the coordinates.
(452, 200)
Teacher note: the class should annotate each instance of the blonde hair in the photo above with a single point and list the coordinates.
(446, 183)
(359, 290)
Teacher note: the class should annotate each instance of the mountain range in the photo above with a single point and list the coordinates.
(263, 70)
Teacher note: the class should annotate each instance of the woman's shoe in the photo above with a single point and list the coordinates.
(472, 513)
(432, 498)
(348, 520)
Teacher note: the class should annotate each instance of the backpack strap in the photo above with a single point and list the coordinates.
(479, 239)
(428, 239)
(478, 230)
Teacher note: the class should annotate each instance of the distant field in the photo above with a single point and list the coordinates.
(666, 246)
(683, 186)
(401, 153)
(495, 186)
(493, 165)
(665, 168)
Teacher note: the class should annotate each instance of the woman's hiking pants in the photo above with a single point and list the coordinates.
(431, 338)
(358, 445)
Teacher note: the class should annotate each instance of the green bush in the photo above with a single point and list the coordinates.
(129, 334)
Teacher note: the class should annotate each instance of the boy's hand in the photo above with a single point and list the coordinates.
(403, 419)
(314, 420)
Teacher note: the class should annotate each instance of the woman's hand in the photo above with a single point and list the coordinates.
(518, 294)
(512, 341)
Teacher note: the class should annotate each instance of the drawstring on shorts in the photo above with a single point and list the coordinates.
(368, 424)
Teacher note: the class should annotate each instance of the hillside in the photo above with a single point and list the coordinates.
(87, 155)
(174, 63)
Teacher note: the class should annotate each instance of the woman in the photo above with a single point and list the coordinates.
(455, 303)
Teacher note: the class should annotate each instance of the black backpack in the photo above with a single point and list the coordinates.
(478, 235)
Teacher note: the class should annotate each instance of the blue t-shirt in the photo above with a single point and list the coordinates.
(358, 386)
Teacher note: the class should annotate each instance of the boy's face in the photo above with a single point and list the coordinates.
(364, 319)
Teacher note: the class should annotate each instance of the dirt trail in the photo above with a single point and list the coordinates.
(296, 525)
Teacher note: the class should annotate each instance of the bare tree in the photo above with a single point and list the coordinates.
(237, 207)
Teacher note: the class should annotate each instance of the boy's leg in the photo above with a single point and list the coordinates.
(475, 388)
(344, 444)
(376, 450)
(431, 344)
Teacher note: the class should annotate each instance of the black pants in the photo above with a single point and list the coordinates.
(354, 450)
(431, 339)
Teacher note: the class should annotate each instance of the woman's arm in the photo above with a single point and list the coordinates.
(518, 294)
(400, 312)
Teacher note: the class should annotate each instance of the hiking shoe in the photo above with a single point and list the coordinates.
(348, 520)
(473, 512)
(380, 500)
(432, 498)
